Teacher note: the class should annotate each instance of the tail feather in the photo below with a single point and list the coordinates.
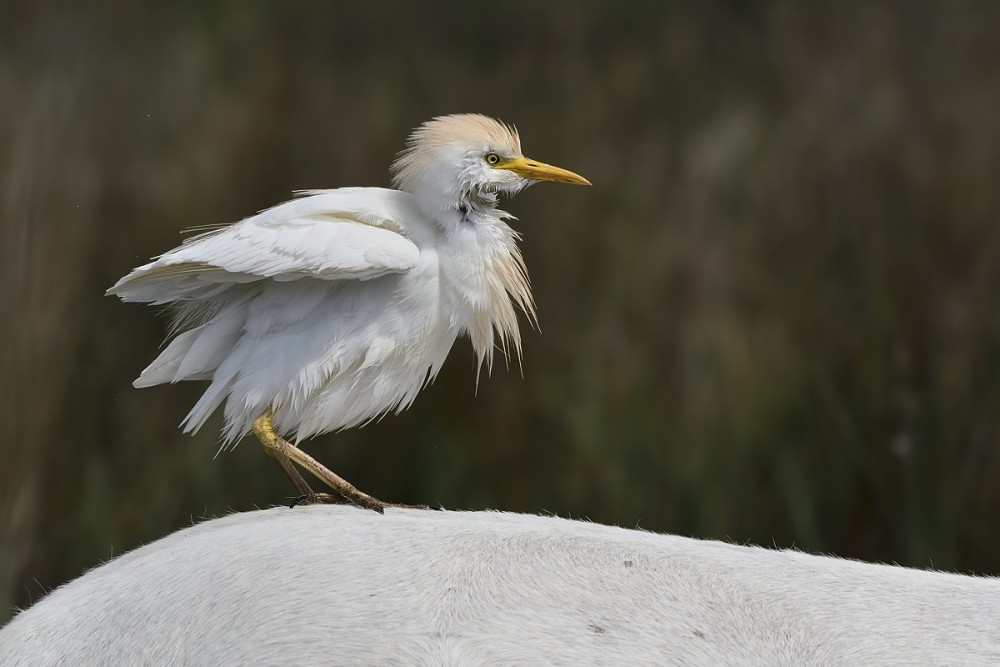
(200, 354)
(208, 403)
(194, 354)
(214, 343)
(164, 368)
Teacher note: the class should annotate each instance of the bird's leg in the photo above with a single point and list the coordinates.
(284, 451)
(300, 484)
(263, 430)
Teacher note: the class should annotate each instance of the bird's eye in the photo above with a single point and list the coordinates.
(492, 158)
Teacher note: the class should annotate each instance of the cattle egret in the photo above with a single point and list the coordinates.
(332, 309)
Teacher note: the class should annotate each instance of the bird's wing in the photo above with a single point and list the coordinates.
(345, 234)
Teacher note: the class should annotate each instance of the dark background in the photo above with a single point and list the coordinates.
(773, 319)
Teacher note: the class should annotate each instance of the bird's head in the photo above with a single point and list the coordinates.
(469, 159)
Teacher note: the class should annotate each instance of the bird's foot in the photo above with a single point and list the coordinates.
(336, 499)
(416, 507)
(316, 499)
(365, 502)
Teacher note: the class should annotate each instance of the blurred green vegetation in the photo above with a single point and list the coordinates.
(773, 318)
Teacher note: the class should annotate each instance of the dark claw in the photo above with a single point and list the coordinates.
(307, 498)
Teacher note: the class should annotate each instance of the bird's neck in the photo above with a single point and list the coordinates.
(483, 203)
(484, 279)
(482, 272)
(443, 204)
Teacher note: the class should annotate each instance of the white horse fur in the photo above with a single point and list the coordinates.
(326, 585)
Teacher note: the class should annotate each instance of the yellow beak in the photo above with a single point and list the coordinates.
(538, 171)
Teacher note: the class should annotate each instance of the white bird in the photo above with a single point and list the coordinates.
(334, 308)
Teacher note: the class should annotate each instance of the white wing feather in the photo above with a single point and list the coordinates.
(329, 235)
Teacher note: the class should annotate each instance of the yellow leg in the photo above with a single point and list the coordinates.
(286, 453)
(293, 474)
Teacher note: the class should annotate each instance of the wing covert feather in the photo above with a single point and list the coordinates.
(326, 235)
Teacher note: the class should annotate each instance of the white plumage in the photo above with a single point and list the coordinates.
(338, 306)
